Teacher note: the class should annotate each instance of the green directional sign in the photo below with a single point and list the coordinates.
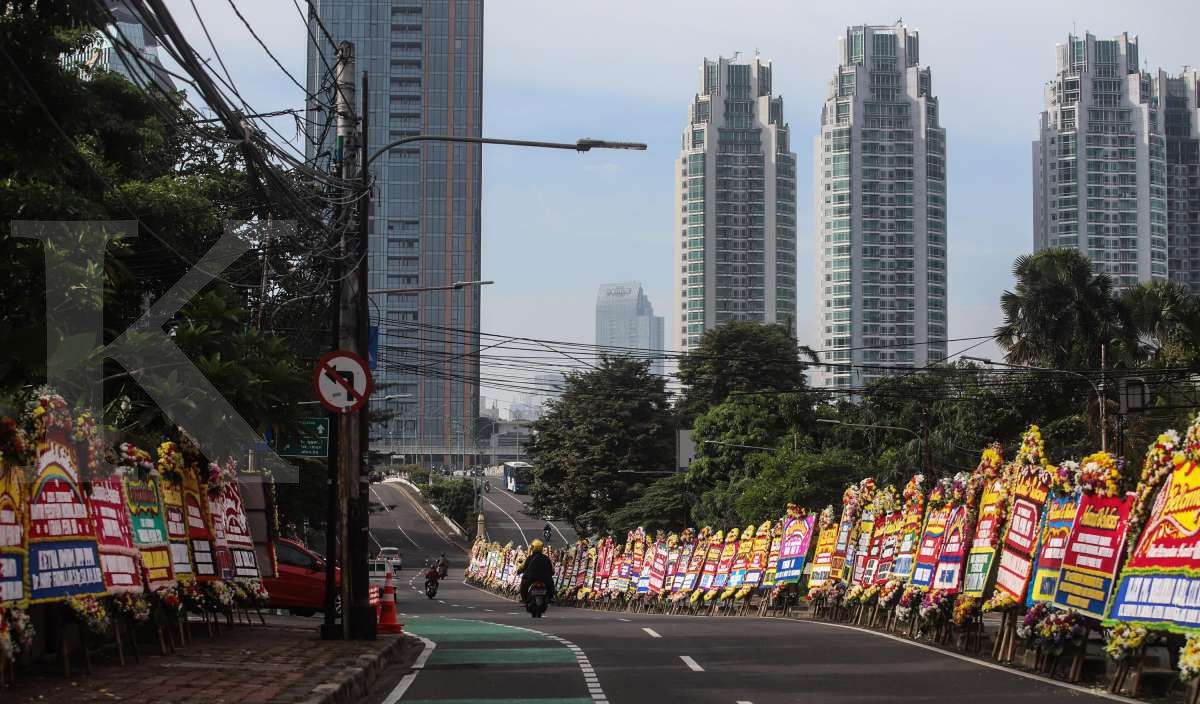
(311, 441)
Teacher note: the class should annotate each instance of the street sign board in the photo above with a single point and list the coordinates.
(311, 441)
(342, 381)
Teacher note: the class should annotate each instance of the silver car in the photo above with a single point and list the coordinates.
(393, 557)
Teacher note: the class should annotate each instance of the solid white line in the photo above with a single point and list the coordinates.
(520, 530)
(964, 658)
(406, 681)
(388, 510)
(624, 619)
(377, 543)
(652, 633)
(692, 664)
(743, 701)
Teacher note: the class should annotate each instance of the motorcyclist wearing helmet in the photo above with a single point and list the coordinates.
(536, 568)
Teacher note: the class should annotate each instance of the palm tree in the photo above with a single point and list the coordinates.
(1167, 319)
(1061, 312)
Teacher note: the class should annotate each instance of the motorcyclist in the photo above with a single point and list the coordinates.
(443, 566)
(432, 574)
(536, 568)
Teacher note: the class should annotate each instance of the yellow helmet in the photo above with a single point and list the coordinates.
(536, 545)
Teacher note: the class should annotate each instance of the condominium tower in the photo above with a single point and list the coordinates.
(735, 199)
(880, 205)
(626, 324)
(425, 64)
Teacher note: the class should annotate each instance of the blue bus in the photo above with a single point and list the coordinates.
(517, 476)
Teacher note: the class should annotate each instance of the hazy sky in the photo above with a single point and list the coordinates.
(556, 225)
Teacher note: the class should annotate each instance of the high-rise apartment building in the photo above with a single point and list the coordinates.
(735, 198)
(425, 65)
(1099, 162)
(625, 320)
(125, 47)
(880, 205)
(1181, 125)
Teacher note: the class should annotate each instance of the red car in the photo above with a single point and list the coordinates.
(300, 584)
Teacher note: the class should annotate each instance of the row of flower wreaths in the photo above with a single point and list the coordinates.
(1044, 628)
(45, 410)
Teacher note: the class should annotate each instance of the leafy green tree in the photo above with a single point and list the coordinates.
(810, 479)
(456, 499)
(744, 424)
(609, 424)
(665, 504)
(1167, 319)
(740, 356)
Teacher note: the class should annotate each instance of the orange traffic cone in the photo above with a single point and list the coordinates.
(387, 617)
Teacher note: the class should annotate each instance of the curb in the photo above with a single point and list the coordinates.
(354, 683)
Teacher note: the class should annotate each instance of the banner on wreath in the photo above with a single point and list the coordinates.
(948, 572)
(1020, 539)
(1093, 554)
(1057, 520)
(771, 573)
(237, 532)
(119, 558)
(822, 569)
(149, 529)
(982, 555)
(13, 554)
(931, 546)
(658, 567)
(1160, 584)
(797, 533)
(889, 545)
(64, 559)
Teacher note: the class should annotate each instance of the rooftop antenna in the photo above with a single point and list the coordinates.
(736, 54)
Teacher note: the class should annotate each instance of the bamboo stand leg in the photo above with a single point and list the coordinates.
(998, 646)
(133, 644)
(179, 621)
(1076, 671)
(83, 646)
(162, 640)
(1010, 639)
(1193, 696)
(117, 636)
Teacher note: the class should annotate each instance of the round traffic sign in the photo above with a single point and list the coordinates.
(342, 381)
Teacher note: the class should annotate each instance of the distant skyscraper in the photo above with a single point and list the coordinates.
(1181, 122)
(117, 54)
(626, 320)
(880, 203)
(735, 198)
(1099, 163)
(425, 60)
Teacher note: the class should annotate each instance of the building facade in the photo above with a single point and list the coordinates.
(1099, 162)
(735, 198)
(1181, 128)
(625, 320)
(131, 36)
(425, 65)
(879, 175)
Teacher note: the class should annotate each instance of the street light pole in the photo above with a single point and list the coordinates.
(1098, 389)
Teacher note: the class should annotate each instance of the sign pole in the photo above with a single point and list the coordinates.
(345, 465)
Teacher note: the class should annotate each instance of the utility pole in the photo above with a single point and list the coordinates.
(1103, 402)
(362, 615)
(347, 337)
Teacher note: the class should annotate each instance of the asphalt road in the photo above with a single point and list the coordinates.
(507, 521)
(581, 656)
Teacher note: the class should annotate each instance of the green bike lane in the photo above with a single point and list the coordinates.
(477, 662)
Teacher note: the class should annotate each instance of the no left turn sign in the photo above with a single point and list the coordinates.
(342, 381)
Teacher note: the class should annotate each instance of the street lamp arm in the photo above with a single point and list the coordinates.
(748, 447)
(457, 285)
(582, 145)
(831, 421)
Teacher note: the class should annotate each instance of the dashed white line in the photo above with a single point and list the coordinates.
(692, 664)
(624, 620)
(743, 701)
(652, 633)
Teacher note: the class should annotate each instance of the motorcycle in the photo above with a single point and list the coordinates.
(538, 599)
(431, 586)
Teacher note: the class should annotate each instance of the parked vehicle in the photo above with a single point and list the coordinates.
(299, 585)
(538, 601)
(393, 556)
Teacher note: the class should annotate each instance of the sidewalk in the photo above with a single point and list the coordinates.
(284, 661)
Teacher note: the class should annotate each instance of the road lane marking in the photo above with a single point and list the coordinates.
(692, 664)
(441, 602)
(652, 633)
(624, 619)
(388, 510)
(520, 531)
(377, 543)
(743, 701)
(407, 680)
(556, 528)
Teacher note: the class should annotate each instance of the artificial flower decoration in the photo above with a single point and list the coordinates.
(886, 501)
(1100, 475)
(170, 462)
(46, 411)
(90, 612)
(999, 602)
(1030, 462)
(86, 431)
(135, 606)
(913, 494)
(825, 520)
(937, 606)
(908, 603)
(1123, 640)
(1189, 658)
(991, 462)
(15, 448)
(1064, 478)
(134, 461)
(20, 627)
(966, 610)
(890, 593)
